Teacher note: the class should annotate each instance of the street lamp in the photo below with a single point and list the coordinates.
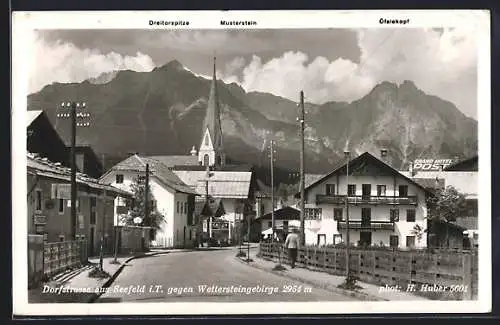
(347, 154)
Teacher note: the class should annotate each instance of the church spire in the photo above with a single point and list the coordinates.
(211, 143)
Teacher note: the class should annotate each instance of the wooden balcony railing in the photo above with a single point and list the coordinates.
(364, 225)
(366, 199)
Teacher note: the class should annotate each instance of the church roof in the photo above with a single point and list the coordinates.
(226, 168)
(212, 117)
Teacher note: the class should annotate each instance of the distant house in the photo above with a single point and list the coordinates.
(385, 207)
(174, 199)
(49, 205)
(285, 219)
(43, 139)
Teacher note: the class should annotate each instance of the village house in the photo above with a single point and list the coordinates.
(385, 207)
(285, 219)
(49, 205)
(173, 199)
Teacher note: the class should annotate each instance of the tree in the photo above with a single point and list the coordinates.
(446, 205)
(137, 209)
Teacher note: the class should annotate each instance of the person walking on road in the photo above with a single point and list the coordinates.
(292, 244)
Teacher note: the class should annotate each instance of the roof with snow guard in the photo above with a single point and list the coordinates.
(39, 166)
(221, 184)
(156, 168)
(171, 161)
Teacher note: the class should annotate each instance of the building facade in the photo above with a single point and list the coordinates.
(385, 207)
(172, 199)
(49, 205)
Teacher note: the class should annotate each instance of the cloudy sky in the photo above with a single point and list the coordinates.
(328, 64)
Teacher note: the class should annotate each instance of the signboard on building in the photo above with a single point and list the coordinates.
(220, 225)
(40, 220)
(61, 191)
(431, 165)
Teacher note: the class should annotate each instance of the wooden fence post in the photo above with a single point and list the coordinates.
(467, 276)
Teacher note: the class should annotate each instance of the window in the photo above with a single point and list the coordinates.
(61, 205)
(381, 190)
(330, 189)
(394, 241)
(119, 178)
(351, 189)
(269, 224)
(185, 207)
(403, 190)
(321, 239)
(206, 140)
(337, 214)
(312, 213)
(410, 241)
(182, 208)
(366, 189)
(219, 160)
(178, 206)
(61, 238)
(93, 204)
(206, 160)
(38, 200)
(394, 215)
(410, 215)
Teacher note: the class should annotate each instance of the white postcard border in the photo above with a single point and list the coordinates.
(23, 24)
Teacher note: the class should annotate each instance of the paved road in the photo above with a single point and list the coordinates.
(207, 276)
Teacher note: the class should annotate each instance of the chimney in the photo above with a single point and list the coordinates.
(193, 151)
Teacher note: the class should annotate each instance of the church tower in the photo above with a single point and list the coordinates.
(211, 150)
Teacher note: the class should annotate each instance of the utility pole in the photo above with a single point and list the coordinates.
(302, 176)
(73, 115)
(273, 225)
(347, 237)
(146, 196)
(102, 231)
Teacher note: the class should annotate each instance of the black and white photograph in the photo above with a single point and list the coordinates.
(291, 162)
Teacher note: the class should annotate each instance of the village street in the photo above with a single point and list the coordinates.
(206, 276)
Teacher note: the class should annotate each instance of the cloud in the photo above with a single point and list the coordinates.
(440, 62)
(64, 62)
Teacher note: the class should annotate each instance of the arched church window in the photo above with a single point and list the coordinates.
(206, 140)
(206, 160)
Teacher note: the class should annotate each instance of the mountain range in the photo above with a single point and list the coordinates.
(160, 112)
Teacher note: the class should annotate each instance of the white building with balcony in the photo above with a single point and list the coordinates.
(385, 207)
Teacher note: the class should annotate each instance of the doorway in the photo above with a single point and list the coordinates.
(366, 217)
(366, 190)
(365, 238)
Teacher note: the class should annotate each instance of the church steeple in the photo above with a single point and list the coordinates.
(211, 149)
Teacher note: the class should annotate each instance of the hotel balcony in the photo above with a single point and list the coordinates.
(362, 225)
(367, 199)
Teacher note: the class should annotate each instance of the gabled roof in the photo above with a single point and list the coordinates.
(359, 160)
(286, 213)
(31, 116)
(221, 184)
(43, 167)
(469, 164)
(171, 161)
(310, 179)
(156, 168)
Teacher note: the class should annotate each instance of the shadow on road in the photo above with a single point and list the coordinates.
(108, 300)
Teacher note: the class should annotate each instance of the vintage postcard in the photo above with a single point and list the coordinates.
(270, 162)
